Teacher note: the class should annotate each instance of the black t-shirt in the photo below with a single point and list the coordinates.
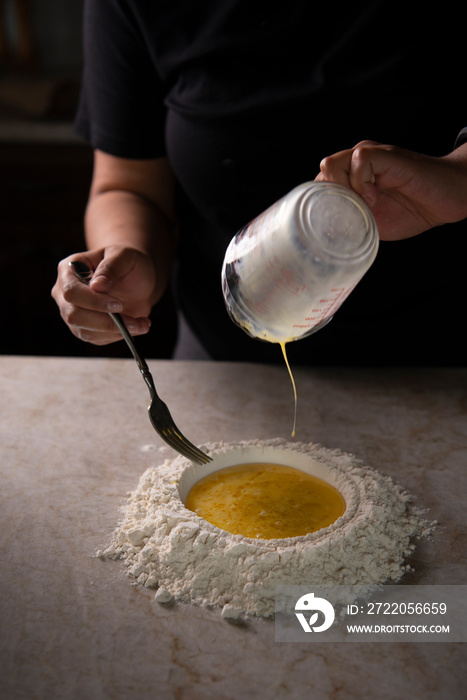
(245, 98)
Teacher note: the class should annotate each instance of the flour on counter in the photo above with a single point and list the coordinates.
(166, 546)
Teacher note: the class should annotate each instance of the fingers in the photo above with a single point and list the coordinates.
(336, 168)
(72, 291)
(353, 168)
(85, 310)
(362, 176)
(98, 328)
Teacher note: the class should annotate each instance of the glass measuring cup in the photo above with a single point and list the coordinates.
(286, 273)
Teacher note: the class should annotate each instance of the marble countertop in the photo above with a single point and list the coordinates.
(75, 439)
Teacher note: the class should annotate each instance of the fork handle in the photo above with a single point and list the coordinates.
(84, 273)
(142, 364)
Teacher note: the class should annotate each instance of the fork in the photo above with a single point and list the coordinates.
(159, 413)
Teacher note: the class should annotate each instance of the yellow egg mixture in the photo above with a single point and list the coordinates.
(266, 501)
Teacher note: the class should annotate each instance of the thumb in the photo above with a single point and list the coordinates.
(105, 276)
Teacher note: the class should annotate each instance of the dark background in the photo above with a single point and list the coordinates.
(45, 173)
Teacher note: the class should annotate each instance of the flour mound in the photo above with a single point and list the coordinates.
(166, 546)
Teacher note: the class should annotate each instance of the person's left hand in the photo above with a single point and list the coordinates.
(408, 193)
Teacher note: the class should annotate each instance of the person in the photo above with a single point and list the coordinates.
(202, 114)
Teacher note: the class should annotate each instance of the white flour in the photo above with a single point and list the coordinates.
(166, 546)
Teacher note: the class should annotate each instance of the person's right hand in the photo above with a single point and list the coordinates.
(124, 281)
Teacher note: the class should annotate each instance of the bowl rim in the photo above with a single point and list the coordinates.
(259, 454)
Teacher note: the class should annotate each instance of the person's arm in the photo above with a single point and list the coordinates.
(131, 238)
(407, 192)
